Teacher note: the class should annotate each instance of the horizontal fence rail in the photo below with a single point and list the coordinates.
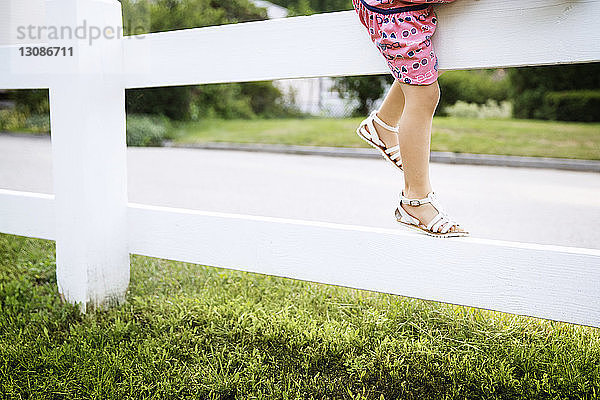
(484, 34)
(27, 214)
(487, 34)
(554, 282)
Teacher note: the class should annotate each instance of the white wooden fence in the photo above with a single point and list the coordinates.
(95, 228)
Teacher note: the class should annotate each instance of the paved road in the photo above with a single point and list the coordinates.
(517, 204)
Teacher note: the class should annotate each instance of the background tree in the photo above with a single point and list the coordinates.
(558, 92)
(232, 100)
(306, 7)
(365, 89)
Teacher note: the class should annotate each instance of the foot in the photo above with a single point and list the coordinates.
(389, 138)
(425, 212)
(382, 136)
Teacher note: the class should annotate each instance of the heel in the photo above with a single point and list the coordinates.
(372, 138)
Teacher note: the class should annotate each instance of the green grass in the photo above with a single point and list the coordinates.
(190, 331)
(463, 135)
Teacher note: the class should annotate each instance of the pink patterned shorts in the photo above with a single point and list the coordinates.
(404, 39)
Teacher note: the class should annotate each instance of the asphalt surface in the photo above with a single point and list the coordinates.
(517, 204)
(442, 157)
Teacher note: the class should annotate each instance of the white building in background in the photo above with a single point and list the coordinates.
(311, 95)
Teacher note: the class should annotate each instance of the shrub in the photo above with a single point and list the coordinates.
(575, 105)
(145, 130)
(173, 102)
(529, 86)
(304, 7)
(38, 123)
(223, 100)
(267, 100)
(491, 109)
(194, 102)
(472, 87)
(33, 101)
(12, 120)
(366, 90)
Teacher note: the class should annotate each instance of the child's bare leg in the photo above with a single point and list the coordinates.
(390, 113)
(415, 143)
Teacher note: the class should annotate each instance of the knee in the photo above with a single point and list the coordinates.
(425, 98)
(431, 96)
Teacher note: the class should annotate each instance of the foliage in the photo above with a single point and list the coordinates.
(20, 119)
(34, 101)
(233, 100)
(366, 89)
(190, 331)
(477, 86)
(575, 105)
(12, 120)
(146, 130)
(530, 86)
(491, 109)
(39, 123)
(268, 101)
(144, 16)
(173, 102)
(221, 100)
(306, 7)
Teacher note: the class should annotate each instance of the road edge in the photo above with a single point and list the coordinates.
(436, 156)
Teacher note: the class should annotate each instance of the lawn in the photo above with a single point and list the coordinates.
(464, 135)
(192, 331)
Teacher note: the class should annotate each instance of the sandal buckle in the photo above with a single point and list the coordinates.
(414, 203)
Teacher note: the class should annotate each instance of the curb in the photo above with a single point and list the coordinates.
(26, 134)
(436, 157)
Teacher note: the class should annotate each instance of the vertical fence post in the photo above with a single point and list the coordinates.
(87, 106)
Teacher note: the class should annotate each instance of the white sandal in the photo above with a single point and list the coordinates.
(370, 136)
(439, 226)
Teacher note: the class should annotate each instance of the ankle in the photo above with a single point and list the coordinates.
(388, 119)
(417, 192)
(386, 135)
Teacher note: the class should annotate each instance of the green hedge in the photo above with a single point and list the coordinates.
(12, 120)
(472, 87)
(573, 105)
(31, 101)
(145, 130)
(173, 102)
(530, 88)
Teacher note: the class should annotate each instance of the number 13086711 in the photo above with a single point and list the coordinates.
(46, 51)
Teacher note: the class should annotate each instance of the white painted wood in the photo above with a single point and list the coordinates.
(508, 33)
(471, 34)
(27, 214)
(84, 18)
(87, 108)
(94, 229)
(14, 70)
(554, 282)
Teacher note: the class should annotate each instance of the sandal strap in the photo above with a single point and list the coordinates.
(393, 152)
(417, 202)
(371, 132)
(438, 221)
(441, 220)
(393, 149)
(431, 198)
(394, 129)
